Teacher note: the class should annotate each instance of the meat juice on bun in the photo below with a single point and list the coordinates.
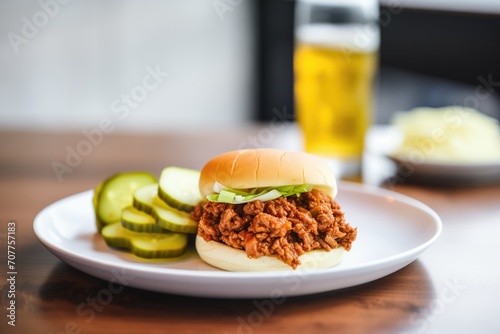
(269, 209)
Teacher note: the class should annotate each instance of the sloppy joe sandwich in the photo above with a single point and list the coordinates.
(268, 209)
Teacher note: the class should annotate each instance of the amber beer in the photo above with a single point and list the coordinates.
(333, 89)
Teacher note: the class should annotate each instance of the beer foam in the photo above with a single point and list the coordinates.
(368, 7)
(352, 37)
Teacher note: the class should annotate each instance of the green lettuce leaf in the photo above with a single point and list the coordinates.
(238, 196)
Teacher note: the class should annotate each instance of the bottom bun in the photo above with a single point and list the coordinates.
(232, 259)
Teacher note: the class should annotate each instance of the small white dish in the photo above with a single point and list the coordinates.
(383, 140)
(449, 173)
(393, 230)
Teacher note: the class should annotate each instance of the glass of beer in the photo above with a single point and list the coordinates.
(335, 61)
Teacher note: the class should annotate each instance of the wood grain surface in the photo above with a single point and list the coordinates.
(453, 287)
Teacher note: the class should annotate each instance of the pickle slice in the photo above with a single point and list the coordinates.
(97, 192)
(145, 245)
(116, 193)
(179, 188)
(146, 199)
(139, 221)
(95, 199)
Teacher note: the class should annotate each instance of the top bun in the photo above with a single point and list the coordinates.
(266, 167)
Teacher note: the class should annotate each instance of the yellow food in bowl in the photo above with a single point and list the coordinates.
(449, 135)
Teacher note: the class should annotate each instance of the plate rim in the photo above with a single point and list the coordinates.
(446, 165)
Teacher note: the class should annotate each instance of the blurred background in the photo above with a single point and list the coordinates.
(165, 65)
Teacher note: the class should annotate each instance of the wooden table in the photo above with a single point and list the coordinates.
(453, 287)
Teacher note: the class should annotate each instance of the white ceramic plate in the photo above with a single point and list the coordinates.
(393, 230)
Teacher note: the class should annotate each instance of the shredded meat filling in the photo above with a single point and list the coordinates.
(284, 227)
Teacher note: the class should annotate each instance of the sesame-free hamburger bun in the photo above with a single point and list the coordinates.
(266, 167)
(228, 258)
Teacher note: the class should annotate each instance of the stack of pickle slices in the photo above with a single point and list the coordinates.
(150, 218)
